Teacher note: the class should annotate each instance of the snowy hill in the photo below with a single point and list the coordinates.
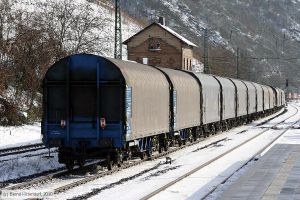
(87, 26)
(267, 29)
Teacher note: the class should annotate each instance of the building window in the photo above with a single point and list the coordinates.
(154, 45)
(158, 45)
(183, 63)
(187, 64)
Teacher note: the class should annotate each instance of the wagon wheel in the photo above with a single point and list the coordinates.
(166, 146)
(224, 127)
(162, 142)
(109, 163)
(119, 159)
(155, 144)
(70, 164)
(228, 126)
(143, 155)
(194, 136)
(213, 130)
(81, 162)
(191, 136)
(200, 133)
(160, 148)
(129, 155)
(149, 153)
(171, 142)
(179, 141)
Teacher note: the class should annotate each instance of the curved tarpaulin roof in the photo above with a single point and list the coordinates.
(259, 93)
(266, 97)
(187, 98)
(252, 104)
(210, 90)
(228, 97)
(150, 98)
(241, 97)
(150, 88)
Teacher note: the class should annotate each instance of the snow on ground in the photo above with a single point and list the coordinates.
(14, 168)
(292, 136)
(30, 134)
(21, 135)
(201, 182)
(149, 176)
(145, 177)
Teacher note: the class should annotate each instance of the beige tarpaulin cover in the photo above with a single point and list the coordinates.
(187, 98)
(150, 98)
(266, 97)
(278, 96)
(282, 97)
(211, 98)
(272, 97)
(228, 98)
(241, 97)
(259, 92)
(251, 97)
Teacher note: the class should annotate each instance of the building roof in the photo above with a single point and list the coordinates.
(172, 32)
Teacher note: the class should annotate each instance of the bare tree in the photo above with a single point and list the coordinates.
(6, 31)
(33, 51)
(74, 25)
(30, 42)
(85, 26)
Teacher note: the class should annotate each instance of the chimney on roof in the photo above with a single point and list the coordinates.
(162, 20)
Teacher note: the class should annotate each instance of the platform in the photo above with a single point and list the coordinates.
(276, 175)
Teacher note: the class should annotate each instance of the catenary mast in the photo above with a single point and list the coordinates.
(118, 31)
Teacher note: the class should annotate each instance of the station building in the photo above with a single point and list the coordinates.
(158, 45)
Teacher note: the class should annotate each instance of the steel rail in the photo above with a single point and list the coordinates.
(58, 174)
(157, 191)
(251, 159)
(21, 149)
(49, 177)
(64, 172)
(92, 178)
(128, 165)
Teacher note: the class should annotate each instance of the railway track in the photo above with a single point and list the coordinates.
(89, 179)
(56, 174)
(64, 173)
(198, 168)
(250, 160)
(36, 153)
(21, 149)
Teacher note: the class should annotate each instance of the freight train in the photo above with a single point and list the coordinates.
(97, 107)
